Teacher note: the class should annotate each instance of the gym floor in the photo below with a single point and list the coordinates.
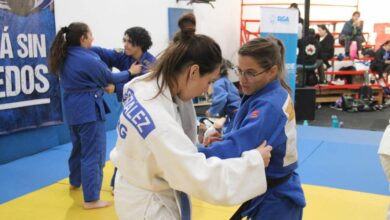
(339, 168)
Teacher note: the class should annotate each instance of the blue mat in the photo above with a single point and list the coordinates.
(346, 159)
(342, 135)
(306, 148)
(34, 172)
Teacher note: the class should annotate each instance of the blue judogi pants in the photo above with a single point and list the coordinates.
(88, 157)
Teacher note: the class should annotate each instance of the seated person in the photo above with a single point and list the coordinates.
(352, 31)
(381, 62)
(308, 55)
(326, 40)
(226, 98)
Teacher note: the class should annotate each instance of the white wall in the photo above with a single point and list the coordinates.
(222, 24)
(109, 19)
(372, 11)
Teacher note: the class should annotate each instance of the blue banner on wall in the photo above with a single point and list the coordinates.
(29, 94)
(173, 17)
(282, 23)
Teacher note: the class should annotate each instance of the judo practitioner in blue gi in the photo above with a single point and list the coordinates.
(83, 75)
(134, 58)
(266, 113)
(226, 99)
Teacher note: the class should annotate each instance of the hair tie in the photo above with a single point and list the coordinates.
(65, 29)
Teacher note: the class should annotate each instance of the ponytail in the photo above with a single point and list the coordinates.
(57, 52)
(66, 36)
(189, 49)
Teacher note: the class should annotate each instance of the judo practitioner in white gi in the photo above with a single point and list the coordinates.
(158, 163)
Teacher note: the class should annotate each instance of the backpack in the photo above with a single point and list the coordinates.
(350, 104)
(365, 94)
(347, 78)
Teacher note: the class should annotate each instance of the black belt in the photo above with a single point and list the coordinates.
(271, 183)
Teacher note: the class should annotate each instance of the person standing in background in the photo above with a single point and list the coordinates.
(134, 57)
(300, 20)
(83, 76)
(225, 99)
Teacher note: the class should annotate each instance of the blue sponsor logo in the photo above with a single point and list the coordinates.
(137, 116)
(279, 19)
(283, 19)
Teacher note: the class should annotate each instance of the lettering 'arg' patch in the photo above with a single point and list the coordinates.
(137, 115)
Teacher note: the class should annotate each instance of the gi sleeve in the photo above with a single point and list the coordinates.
(108, 56)
(220, 95)
(223, 182)
(262, 122)
(119, 91)
(101, 75)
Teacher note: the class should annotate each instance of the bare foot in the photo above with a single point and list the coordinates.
(96, 204)
(71, 187)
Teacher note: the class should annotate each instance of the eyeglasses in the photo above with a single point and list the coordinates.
(248, 74)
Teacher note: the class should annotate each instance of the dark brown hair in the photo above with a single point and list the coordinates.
(66, 36)
(323, 27)
(356, 13)
(386, 42)
(190, 49)
(267, 52)
(186, 23)
(139, 36)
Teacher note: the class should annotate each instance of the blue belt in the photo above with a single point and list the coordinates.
(185, 206)
(81, 90)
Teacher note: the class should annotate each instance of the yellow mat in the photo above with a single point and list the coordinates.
(58, 202)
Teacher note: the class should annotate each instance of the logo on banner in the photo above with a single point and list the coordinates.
(281, 19)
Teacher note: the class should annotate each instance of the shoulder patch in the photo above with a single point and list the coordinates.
(137, 115)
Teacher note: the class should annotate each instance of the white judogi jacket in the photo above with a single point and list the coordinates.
(155, 153)
(384, 151)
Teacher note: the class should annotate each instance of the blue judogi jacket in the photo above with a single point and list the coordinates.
(266, 115)
(118, 59)
(226, 101)
(83, 77)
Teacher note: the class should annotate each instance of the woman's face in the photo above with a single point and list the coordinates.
(321, 32)
(130, 49)
(192, 84)
(86, 40)
(387, 47)
(253, 77)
